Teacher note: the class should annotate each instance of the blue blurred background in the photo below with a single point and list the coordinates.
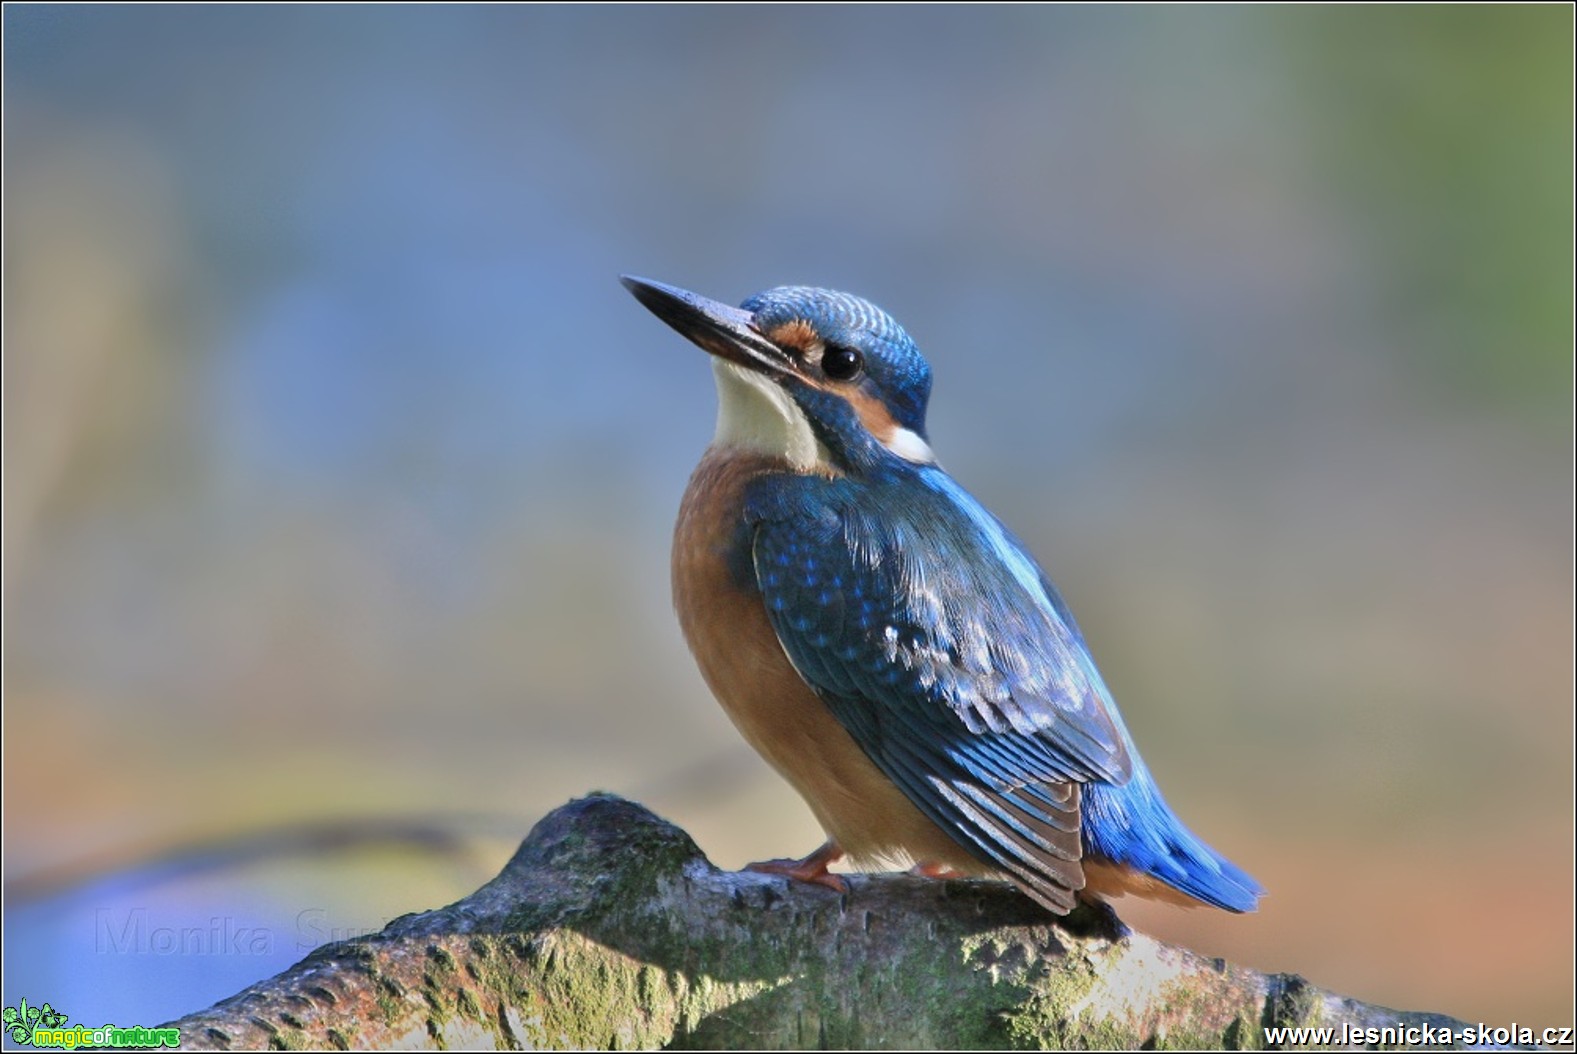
(339, 470)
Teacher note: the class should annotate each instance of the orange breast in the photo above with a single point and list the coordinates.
(738, 652)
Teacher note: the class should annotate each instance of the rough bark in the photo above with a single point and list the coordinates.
(609, 928)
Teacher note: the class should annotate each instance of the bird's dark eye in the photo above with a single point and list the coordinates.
(841, 363)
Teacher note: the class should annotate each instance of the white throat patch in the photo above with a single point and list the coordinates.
(755, 414)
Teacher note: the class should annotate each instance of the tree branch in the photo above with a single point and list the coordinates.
(609, 928)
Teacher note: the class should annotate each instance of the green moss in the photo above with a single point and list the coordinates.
(1293, 1001)
(530, 917)
(390, 999)
(1056, 1014)
(467, 1006)
(1242, 1034)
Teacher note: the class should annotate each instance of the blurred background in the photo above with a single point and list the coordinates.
(340, 471)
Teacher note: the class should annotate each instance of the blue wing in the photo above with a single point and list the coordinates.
(941, 647)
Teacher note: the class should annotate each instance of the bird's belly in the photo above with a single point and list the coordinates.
(726, 625)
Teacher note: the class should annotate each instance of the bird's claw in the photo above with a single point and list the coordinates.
(936, 869)
(812, 868)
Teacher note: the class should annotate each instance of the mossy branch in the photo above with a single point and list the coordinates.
(609, 928)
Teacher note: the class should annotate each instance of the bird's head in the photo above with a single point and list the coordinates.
(825, 380)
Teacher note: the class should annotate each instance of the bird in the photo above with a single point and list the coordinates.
(885, 642)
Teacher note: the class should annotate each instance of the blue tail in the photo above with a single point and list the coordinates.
(1132, 825)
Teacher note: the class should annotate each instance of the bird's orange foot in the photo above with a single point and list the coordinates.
(811, 869)
(935, 869)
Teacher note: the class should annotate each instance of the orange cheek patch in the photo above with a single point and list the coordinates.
(874, 416)
(797, 334)
(879, 422)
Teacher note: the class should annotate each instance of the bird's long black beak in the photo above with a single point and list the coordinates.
(716, 328)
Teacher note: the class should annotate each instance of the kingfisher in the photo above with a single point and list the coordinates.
(884, 641)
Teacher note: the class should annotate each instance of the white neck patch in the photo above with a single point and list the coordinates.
(755, 414)
(910, 447)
